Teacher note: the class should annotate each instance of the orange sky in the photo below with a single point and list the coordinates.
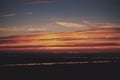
(93, 41)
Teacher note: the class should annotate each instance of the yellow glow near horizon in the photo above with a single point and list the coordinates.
(67, 41)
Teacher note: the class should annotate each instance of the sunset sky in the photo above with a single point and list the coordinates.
(60, 25)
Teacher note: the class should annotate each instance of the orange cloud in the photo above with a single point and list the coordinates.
(77, 42)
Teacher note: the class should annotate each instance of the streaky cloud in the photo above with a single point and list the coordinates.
(70, 25)
(8, 15)
(86, 25)
(39, 1)
(29, 13)
(100, 40)
(101, 25)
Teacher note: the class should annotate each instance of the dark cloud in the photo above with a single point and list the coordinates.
(13, 41)
(39, 1)
(62, 45)
(6, 41)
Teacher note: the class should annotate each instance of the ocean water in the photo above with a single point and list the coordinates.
(58, 67)
(60, 71)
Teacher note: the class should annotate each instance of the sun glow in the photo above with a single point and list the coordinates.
(74, 42)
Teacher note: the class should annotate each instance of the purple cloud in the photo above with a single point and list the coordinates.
(29, 13)
(8, 15)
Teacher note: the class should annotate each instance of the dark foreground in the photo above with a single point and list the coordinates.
(24, 66)
(100, 71)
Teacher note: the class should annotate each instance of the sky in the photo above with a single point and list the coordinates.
(60, 26)
(94, 41)
(26, 17)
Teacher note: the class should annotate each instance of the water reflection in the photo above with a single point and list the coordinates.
(58, 63)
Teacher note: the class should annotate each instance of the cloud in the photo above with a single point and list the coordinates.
(8, 15)
(36, 29)
(29, 13)
(59, 45)
(10, 31)
(8, 41)
(39, 1)
(101, 25)
(70, 24)
(29, 29)
(60, 42)
(88, 25)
